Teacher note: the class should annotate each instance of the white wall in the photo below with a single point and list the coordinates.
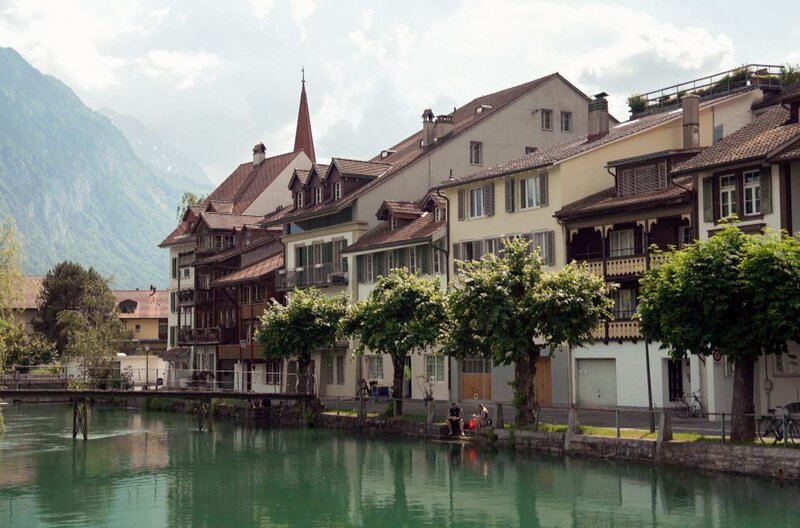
(278, 192)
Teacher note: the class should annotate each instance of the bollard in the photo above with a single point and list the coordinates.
(498, 417)
(664, 428)
(616, 420)
(572, 421)
(431, 412)
(362, 408)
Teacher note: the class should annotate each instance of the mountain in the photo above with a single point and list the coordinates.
(74, 186)
(160, 155)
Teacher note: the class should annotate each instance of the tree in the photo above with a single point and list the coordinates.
(507, 310)
(735, 294)
(10, 274)
(93, 343)
(69, 286)
(188, 199)
(403, 314)
(308, 322)
(790, 74)
(19, 348)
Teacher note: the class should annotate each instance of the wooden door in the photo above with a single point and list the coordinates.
(544, 382)
(476, 379)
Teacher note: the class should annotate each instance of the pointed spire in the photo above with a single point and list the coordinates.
(303, 140)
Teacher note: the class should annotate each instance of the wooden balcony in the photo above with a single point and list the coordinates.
(624, 329)
(186, 298)
(207, 336)
(186, 259)
(657, 259)
(235, 352)
(626, 266)
(253, 311)
(328, 274)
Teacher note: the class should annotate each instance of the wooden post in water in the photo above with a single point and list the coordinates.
(79, 418)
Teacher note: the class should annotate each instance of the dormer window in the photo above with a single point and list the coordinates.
(392, 223)
(298, 199)
(437, 214)
(337, 190)
(318, 194)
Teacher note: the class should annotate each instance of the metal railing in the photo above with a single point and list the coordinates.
(326, 274)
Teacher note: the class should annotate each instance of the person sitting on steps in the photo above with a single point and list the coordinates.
(482, 418)
(454, 420)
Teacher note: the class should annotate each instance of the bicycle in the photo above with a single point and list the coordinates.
(688, 405)
(776, 427)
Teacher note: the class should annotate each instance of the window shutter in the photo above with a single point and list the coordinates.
(172, 302)
(424, 259)
(543, 189)
(509, 195)
(461, 204)
(708, 200)
(477, 249)
(550, 245)
(488, 199)
(360, 267)
(522, 193)
(766, 189)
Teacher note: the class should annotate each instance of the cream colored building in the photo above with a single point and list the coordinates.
(521, 198)
(334, 205)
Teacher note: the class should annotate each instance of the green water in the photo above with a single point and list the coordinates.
(154, 469)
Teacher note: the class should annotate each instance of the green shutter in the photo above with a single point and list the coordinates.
(509, 183)
(461, 204)
(327, 252)
(523, 194)
(360, 271)
(766, 189)
(424, 259)
(708, 200)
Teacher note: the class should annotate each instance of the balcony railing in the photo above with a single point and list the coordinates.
(186, 259)
(618, 330)
(207, 336)
(623, 266)
(314, 275)
(186, 298)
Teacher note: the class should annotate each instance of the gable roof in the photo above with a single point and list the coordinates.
(149, 304)
(396, 207)
(409, 151)
(756, 141)
(553, 154)
(358, 168)
(225, 222)
(252, 272)
(31, 287)
(381, 236)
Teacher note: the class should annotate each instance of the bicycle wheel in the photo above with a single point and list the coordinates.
(793, 431)
(765, 430)
(681, 408)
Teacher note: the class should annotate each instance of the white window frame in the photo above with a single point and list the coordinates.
(369, 272)
(532, 201)
(547, 119)
(616, 238)
(437, 266)
(374, 367)
(624, 303)
(412, 260)
(392, 223)
(187, 272)
(566, 121)
(727, 193)
(298, 199)
(685, 234)
(476, 153)
(337, 190)
(273, 372)
(437, 214)
(390, 260)
(435, 368)
(318, 194)
(476, 203)
(752, 188)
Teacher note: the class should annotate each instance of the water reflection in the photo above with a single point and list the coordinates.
(155, 470)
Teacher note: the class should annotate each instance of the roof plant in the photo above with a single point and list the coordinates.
(735, 293)
(402, 315)
(308, 322)
(506, 309)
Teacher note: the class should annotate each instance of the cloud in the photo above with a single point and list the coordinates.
(181, 69)
(262, 9)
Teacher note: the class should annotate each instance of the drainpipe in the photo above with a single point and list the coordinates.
(447, 276)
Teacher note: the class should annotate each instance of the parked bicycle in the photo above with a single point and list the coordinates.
(688, 405)
(776, 427)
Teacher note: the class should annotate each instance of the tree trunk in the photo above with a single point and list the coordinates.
(303, 379)
(399, 363)
(743, 428)
(525, 388)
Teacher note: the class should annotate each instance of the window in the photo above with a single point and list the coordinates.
(370, 274)
(476, 202)
(475, 152)
(318, 194)
(547, 119)
(544, 241)
(298, 199)
(530, 192)
(566, 121)
(685, 236)
(491, 245)
(752, 193)
(437, 214)
(337, 190)
(621, 243)
(175, 268)
(186, 273)
(338, 258)
(391, 260)
(392, 223)
(138, 328)
(624, 303)
(340, 370)
(273, 369)
(727, 195)
(300, 257)
(375, 367)
(438, 259)
(434, 368)
(329, 370)
(530, 150)
(412, 259)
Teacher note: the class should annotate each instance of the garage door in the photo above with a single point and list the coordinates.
(597, 382)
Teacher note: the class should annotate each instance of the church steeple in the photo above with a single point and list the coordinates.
(303, 140)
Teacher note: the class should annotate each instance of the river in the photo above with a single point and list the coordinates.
(149, 469)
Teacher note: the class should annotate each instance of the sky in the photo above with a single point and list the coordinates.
(214, 78)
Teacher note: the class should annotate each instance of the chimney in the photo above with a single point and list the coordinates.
(444, 125)
(598, 116)
(427, 128)
(691, 121)
(259, 154)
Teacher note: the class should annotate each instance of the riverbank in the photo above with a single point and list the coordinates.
(772, 462)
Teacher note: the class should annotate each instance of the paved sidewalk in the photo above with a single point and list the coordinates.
(628, 417)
